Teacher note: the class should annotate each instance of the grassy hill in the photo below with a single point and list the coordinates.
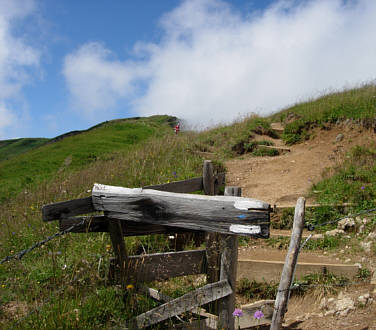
(14, 147)
(66, 280)
(73, 151)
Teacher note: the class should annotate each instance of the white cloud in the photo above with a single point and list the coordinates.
(16, 57)
(214, 63)
(96, 80)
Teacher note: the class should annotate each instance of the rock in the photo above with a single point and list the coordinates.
(361, 229)
(357, 264)
(330, 312)
(344, 304)
(358, 220)
(366, 220)
(373, 279)
(371, 236)
(366, 246)
(347, 261)
(342, 251)
(318, 236)
(347, 224)
(362, 300)
(339, 137)
(330, 300)
(334, 232)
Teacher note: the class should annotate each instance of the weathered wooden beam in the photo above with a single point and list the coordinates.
(99, 223)
(206, 319)
(229, 264)
(120, 250)
(162, 266)
(67, 209)
(186, 186)
(223, 214)
(187, 302)
(283, 294)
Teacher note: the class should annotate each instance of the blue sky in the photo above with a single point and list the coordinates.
(67, 65)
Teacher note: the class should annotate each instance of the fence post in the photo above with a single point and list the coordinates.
(117, 239)
(211, 239)
(280, 306)
(229, 263)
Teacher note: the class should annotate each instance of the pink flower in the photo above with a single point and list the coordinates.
(258, 315)
(237, 312)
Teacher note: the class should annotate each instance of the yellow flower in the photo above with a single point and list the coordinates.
(130, 287)
(108, 247)
(3, 285)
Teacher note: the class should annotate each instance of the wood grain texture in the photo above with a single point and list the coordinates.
(162, 266)
(67, 209)
(187, 302)
(223, 214)
(281, 300)
(99, 223)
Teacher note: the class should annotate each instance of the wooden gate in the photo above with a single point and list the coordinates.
(166, 209)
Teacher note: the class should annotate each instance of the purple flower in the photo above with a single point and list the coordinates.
(258, 315)
(237, 312)
(174, 174)
(362, 187)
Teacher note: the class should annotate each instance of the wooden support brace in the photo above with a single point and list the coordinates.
(185, 303)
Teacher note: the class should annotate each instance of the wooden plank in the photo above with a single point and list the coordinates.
(223, 214)
(186, 186)
(281, 300)
(67, 209)
(162, 266)
(260, 146)
(99, 223)
(187, 302)
(161, 297)
(248, 320)
(117, 239)
(229, 258)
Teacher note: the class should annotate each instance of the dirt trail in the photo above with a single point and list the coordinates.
(281, 180)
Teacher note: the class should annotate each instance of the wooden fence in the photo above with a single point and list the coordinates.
(166, 209)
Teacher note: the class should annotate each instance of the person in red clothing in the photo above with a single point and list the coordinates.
(177, 128)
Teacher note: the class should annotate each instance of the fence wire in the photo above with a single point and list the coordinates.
(21, 254)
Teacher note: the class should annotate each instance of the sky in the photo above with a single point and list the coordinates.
(68, 65)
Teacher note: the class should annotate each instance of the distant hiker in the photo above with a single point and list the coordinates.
(177, 128)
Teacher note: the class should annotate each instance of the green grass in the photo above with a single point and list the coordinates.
(67, 278)
(357, 104)
(353, 181)
(76, 152)
(12, 148)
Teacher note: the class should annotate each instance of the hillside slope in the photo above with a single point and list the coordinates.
(14, 147)
(72, 152)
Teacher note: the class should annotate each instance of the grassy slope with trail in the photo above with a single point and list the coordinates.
(152, 154)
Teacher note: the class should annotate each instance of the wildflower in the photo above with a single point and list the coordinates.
(237, 312)
(130, 287)
(362, 187)
(174, 174)
(258, 315)
(3, 285)
(108, 247)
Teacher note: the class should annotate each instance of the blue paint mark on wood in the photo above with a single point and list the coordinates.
(242, 216)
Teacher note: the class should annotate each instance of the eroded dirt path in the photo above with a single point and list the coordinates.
(282, 179)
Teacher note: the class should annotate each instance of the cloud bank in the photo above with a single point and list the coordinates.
(16, 58)
(214, 63)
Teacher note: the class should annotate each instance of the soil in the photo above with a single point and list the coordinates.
(280, 181)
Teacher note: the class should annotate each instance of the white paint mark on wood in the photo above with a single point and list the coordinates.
(241, 229)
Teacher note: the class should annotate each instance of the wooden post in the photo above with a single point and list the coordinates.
(280, 306)
(117, 239)
(229, 263)
(211, 239)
